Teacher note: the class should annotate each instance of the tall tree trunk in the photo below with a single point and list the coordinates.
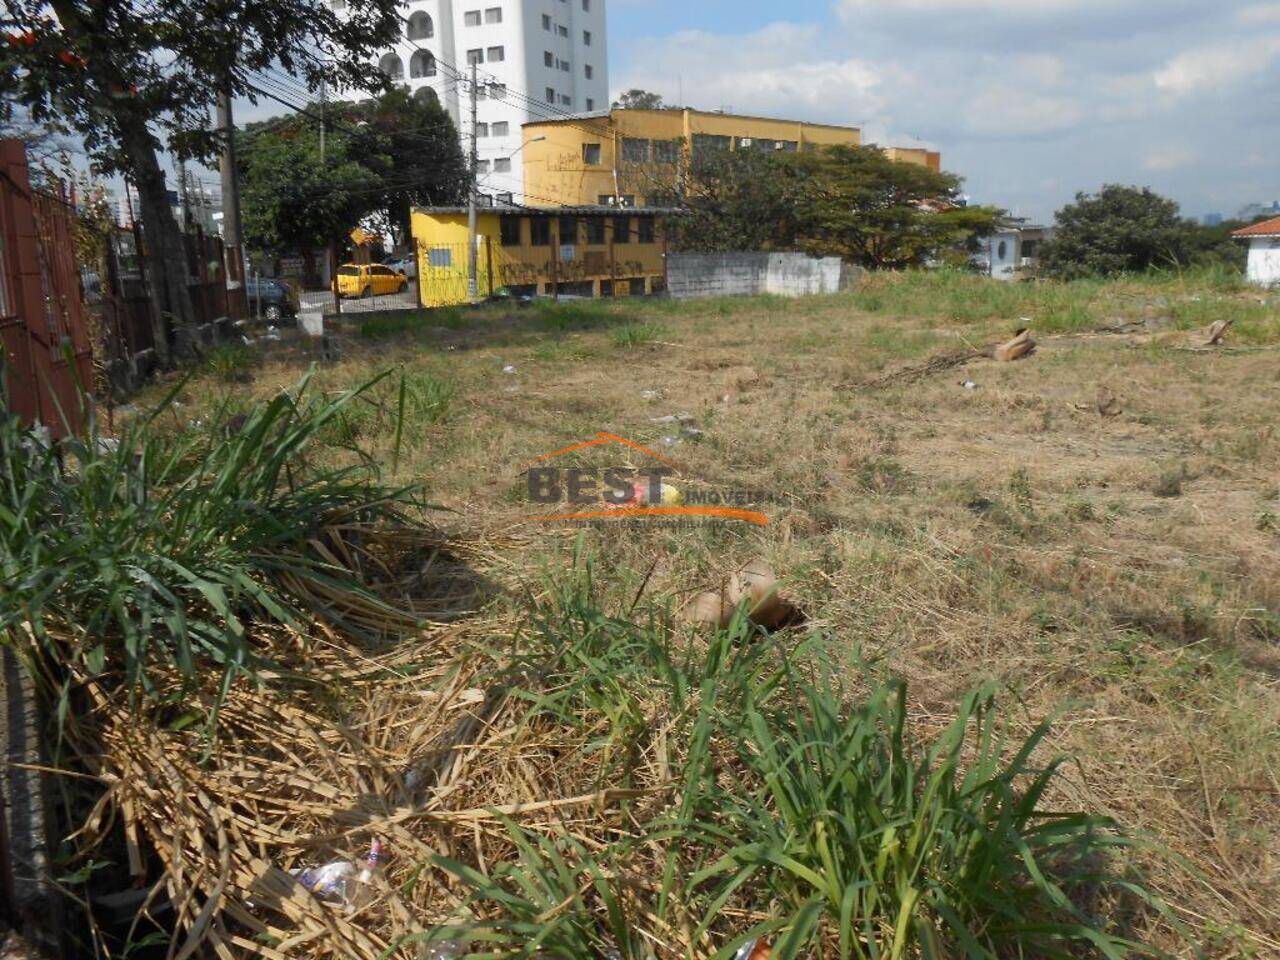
(175, 320)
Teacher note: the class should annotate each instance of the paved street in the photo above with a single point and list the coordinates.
(323, 300)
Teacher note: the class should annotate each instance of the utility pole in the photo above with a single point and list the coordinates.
(473, 281)
(184, 195)
(232, 237)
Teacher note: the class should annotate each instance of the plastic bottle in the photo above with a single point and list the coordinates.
(363, 891)
(330, 882)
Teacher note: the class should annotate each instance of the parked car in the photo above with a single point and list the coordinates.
(369, 280)
(278, 299)
(404, 265)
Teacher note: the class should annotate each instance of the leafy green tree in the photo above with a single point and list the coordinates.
(380, 157)
(850, 202)
(1118, 230)
(639, 100)
(133, 77)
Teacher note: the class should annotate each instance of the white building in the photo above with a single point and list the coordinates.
(1264, 252)
(1013, 249)
(537, 60)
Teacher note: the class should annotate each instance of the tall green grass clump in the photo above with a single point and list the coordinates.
(803, 806)
(157, 552)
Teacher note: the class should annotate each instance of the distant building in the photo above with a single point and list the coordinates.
(1255, 210)
(917, 155)
(1264, 252)
(1212, 220)
(634, 158)
(1013, 250)
(534, 58)
(569, 251)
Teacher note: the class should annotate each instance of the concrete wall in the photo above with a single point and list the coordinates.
(691, 275)
(1264, 261)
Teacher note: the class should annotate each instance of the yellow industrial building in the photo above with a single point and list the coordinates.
(634, 156)
(917, 155)
(580, 252)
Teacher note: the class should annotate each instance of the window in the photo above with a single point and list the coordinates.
(586, 38)
(590, 71)
(1002, 251)
(482, 129)
(635, 150)
(551, 95)
(500, 129)
(788, 146)
(549, 59)
(502, 165)
(706, 141)
(591, 154)
(422, 64)
(471, 18)
(497, 90)
(493, 15)
(509, 230)
(586, 6)
(562, 30)
(621, 229)
(475, 57)
(591, 104)
(666, 151)
(564, 65)
(646, 232)
(482, 166)
(540, 232)
(566, 100)
(497, 54)
(595, 230)
(427, 96)
(507, 199)
(440, 257)
(605, 200)
(421, 27)
(546, 23)
(392, 67)
(568, 230)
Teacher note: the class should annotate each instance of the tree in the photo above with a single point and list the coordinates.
(850, 202)
(1118, 230)
(132, 77)
(380, 158)
(639, 100)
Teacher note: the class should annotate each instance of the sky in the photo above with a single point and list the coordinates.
(1031, 101)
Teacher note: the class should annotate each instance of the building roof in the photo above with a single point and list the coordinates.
(591, 211)
(1267, 228)
(607, 114)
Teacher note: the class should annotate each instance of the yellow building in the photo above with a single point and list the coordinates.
(583, 252)
(917, 155)
(634, 156)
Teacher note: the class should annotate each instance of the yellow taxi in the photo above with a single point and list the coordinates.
(369, 280)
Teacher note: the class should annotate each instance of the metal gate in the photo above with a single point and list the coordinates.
(48, 355)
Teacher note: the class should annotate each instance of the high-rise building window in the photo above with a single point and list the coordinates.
(586, 38)
(562, 30)
(564, 65)
(497, 54)
(551, 95)
(493, 15)
(475, 57)
(482, 166)
(502, 165)
(586, 6)
(471, 18)
(546, 22)
(566, 100)
(591, 104)
(549, 59)
(590, 71)
(392, 66)
(500, 129)
(422, 64)
(482, 129)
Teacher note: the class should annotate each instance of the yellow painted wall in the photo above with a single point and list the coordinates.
(541, 266)
(917, 155)
(556, 172)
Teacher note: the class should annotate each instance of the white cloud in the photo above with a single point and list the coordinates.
(1169, 158)
(1216, 66)
(1260, 14)
(971, 6)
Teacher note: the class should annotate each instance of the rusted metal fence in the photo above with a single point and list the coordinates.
(48, 354)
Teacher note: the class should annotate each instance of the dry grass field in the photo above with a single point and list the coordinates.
(1094, 529)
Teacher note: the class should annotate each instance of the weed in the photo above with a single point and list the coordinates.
(1269, 522)
(230, 363)
(636, 334)
(1169, 485)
